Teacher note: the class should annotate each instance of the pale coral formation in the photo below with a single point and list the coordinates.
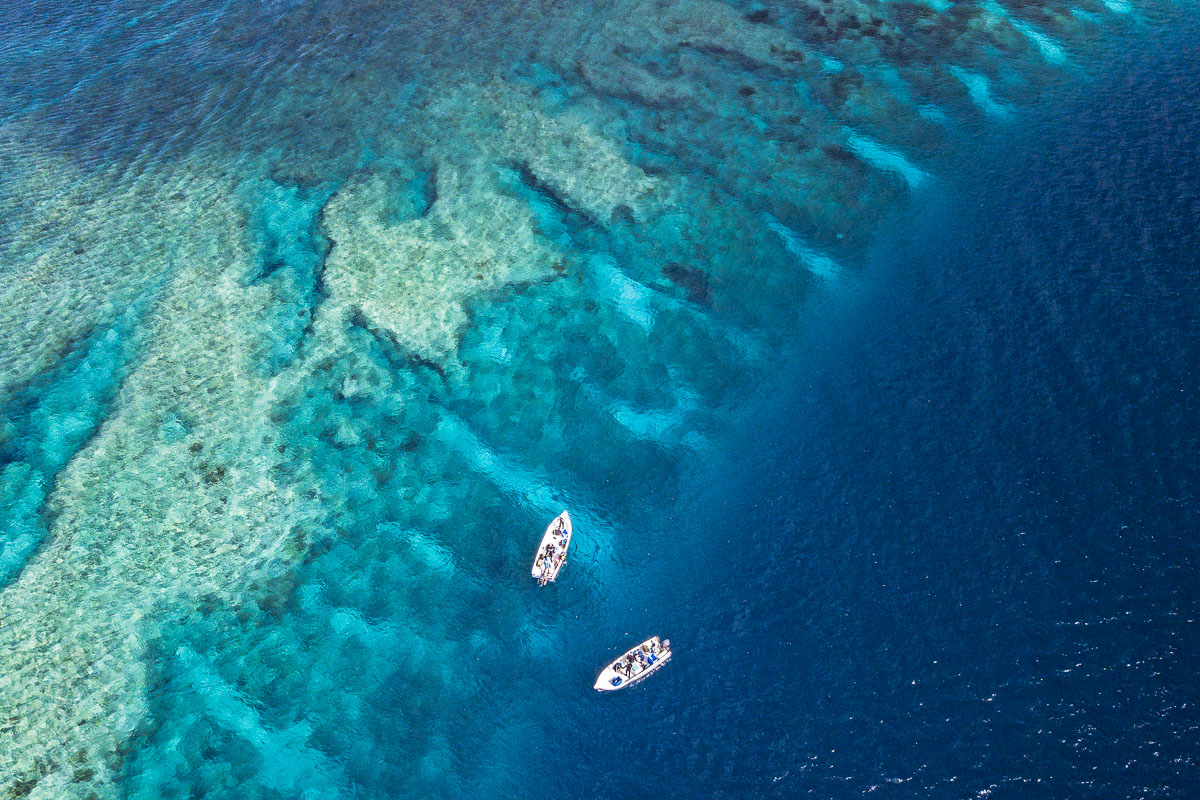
(171, 501)
(91, 252)
(415, 278)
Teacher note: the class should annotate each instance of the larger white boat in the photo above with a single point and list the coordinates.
(552, 552)
(635, 665)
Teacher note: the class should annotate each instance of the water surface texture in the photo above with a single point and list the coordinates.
(859, 338)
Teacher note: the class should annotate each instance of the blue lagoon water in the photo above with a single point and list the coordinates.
(859, 339)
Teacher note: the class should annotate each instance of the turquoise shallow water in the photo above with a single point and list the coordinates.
(852, 336)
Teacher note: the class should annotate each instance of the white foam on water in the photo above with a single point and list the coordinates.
(654, 425)
(633, 300)
(347, 623)
(667, 427)
(1051, 50)
(932, 112)
(830, 64)
(748, 346)
(594, 537)
(885, 159)
(289, 764)
(891, 77)
(815, 261)
(1118, 6)
(980, 92)
(640, 304)
(22, 491)
(432, 553)
(510, 476)
(534, 489)
(494, 347)
(940, 6)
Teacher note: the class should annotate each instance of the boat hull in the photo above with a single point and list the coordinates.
(557, 532)
(617, 675)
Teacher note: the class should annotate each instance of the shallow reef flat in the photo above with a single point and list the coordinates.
(413, 279)
(276, 394)
(170, 500)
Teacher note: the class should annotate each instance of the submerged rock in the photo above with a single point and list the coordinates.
(692, 280)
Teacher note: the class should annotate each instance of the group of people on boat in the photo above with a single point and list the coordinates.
(634, 664)
(642, 657)
(555, 551)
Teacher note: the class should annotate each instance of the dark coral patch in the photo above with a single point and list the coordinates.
(692, 280)
(838, 153)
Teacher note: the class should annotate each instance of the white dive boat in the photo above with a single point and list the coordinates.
(552, 552)
(635, 665)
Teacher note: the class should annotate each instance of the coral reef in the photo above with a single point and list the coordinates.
(415, 278)
(242, 371)
(172, 500)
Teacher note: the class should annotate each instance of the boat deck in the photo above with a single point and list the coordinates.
(621, 674)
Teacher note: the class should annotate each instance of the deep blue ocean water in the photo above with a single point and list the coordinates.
(946, 547)
(955, 553)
